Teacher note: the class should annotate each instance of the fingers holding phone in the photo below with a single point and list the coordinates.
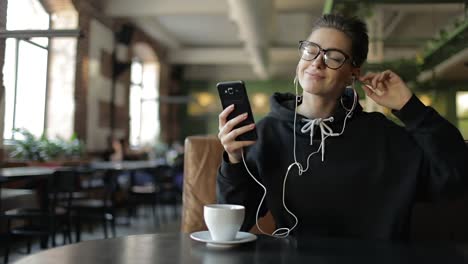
(223, 116)
(228, 134)
(236, 124)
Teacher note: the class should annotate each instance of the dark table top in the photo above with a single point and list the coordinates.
(125, 165)
(179, 248)
(7, 174)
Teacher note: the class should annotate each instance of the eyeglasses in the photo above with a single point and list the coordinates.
(332, 58)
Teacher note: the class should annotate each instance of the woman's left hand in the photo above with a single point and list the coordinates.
(388, 89)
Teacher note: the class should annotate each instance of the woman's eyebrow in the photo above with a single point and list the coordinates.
(329, 48)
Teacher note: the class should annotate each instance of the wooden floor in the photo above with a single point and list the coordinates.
(143, 223)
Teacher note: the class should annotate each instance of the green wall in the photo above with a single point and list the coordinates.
(207, 122)
(443, 97)
(441, 94)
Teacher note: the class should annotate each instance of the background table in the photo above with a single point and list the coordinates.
(9, 174)
(179, 248)
(19, 173)
(125, 165)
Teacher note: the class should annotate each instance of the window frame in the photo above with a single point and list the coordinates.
(27, 36)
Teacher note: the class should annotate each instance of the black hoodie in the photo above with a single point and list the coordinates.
(370, 177)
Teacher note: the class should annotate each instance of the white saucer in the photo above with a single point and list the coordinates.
(241, 237)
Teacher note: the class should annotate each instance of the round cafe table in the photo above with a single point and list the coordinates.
(179, 248)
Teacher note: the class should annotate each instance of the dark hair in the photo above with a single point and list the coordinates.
(354, 28)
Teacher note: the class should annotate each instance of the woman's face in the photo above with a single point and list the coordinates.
(315, 77)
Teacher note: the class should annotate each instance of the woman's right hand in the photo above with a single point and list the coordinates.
(227, 134)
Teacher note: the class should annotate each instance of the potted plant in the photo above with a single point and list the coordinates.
(33, 149)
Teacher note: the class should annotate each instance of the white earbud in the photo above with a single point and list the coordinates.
(353, 79)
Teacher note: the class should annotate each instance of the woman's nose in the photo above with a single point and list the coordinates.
(319, 61)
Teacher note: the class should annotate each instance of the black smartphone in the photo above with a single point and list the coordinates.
(234, 92)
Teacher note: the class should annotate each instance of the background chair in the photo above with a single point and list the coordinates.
(445, 220)
(100, 202)
(10, 199)
(55, 194)
(169, 195)
(202, 158)
(162, 191)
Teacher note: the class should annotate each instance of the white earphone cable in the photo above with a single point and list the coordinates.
(283, 232)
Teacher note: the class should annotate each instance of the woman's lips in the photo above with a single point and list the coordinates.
(315, 76)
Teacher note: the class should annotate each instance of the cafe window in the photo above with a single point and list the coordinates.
(144, 104)
(462, 113)
(25, 69)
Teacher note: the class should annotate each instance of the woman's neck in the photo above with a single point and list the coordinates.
(314, 106)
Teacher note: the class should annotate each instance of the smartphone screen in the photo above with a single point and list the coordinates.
(235, 93)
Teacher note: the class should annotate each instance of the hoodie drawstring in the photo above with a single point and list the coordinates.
(325, 130)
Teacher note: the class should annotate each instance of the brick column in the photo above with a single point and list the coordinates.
(164, 87)
(175, 89)
(87, 10)
(82, 74)
(170, 119)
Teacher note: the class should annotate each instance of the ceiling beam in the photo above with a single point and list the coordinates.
(395, 21)
(226, 56)
(126, 8)
(444, 67)
(219, 72)
(237, 56)
(404, 2)
(424, 8)
(254, 20)
(48, 33)
(209, 56)
(299, 5)
(152, 27)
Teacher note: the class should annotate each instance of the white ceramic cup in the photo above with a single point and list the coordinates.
(223, 220)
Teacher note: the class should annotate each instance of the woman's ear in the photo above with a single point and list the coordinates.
(356, 72)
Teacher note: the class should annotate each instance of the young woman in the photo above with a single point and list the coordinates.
(331, 169)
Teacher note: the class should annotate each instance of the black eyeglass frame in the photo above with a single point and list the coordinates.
(304, 43)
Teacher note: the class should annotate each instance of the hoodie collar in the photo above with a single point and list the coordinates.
(282, 107)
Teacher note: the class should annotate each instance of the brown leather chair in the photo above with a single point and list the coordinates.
(442, 221)
(203, 156)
